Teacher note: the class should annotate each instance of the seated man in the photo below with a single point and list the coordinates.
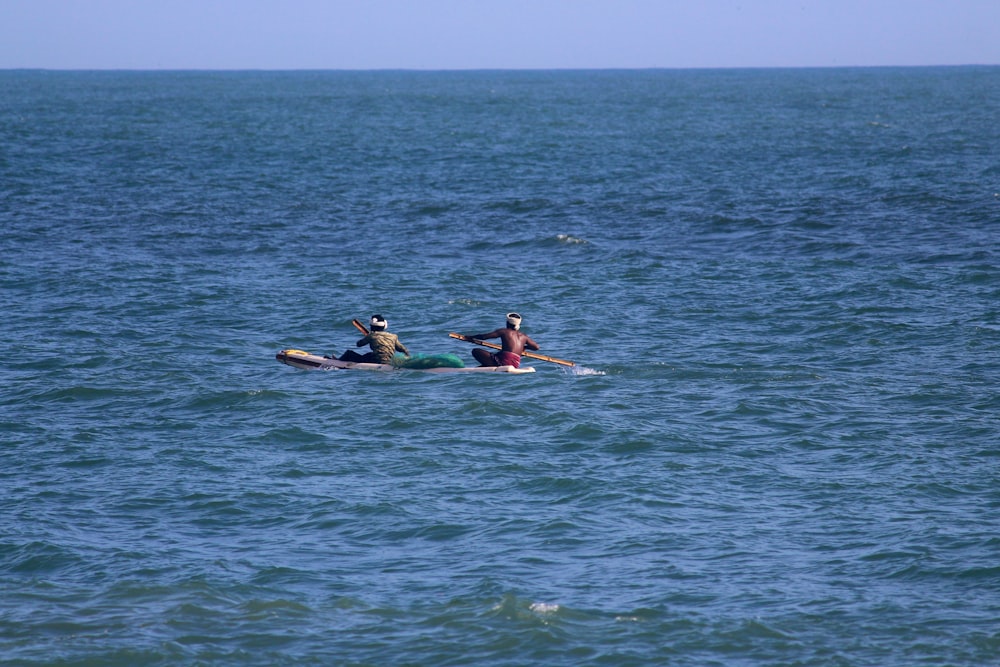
(512, 341)
(384, 345)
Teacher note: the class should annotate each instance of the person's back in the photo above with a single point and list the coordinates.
(384, 345)
(512, 340)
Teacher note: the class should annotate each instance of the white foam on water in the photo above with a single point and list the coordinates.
(583, 370)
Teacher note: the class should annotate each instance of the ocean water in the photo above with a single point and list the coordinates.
(780, 444)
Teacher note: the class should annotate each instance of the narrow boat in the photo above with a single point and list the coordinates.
(301, 359)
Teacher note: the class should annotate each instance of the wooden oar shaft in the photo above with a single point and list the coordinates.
(360, 326)
(533, 355)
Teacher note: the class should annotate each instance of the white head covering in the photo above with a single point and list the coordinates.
(514, 320)
(379, 322)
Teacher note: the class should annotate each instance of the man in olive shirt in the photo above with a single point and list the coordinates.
(384, 345)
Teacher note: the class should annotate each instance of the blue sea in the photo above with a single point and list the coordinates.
(780, 444)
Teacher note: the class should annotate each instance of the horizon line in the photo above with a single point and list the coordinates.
(484, 69)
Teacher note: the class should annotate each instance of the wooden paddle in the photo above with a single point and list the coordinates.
(361, 327)
(469, 339)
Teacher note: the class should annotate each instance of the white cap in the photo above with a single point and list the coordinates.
(514, 320)
(379, 322)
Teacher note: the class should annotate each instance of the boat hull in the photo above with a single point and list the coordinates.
(304, 360)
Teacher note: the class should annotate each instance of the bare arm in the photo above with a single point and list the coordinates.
(496, 333)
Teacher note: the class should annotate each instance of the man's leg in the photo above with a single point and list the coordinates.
(484, 358)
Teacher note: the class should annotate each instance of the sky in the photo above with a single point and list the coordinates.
(494, 34)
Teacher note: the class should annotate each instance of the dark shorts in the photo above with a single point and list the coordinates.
(507, 359)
